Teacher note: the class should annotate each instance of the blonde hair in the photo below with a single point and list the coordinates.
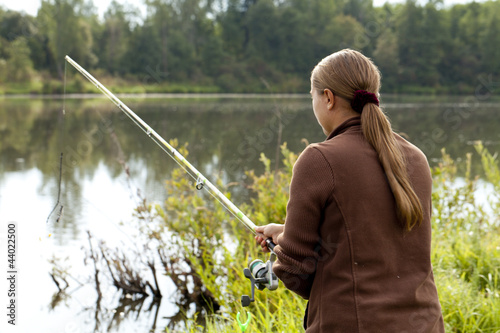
(343, 73)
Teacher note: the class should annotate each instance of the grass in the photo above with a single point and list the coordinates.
(465, 253)
(466, 246)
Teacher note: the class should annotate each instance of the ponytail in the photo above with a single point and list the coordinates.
(351, 75)
(378, 132)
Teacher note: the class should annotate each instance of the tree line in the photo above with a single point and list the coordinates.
(253, 45)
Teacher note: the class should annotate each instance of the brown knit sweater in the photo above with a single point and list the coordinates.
(343, 247)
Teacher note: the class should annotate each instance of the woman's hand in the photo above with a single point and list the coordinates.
(272, 230)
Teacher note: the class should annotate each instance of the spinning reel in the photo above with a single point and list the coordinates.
(261, 275)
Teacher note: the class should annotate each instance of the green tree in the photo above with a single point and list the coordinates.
(67, 25)
(113, 40)
(430, 53)
(387, 59)
(238, 44)
(343, 31)
(142, 52)
(3, 61)
(195, 19)
(262, 20)
(18, 63)
(465, 18)
(234, 33)
(359, 9)
(14, 25)
(489, 39)
(161, 20)
(179, 30)
(296, 53)
(408, 39)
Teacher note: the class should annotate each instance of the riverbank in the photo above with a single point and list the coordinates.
(388, 101)
(157, 96)
(76, 84)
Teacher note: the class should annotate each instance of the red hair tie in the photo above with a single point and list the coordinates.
(362, 97)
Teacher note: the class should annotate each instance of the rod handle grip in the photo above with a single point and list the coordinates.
(270, 244)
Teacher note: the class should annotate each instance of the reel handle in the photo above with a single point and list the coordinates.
(245, 299)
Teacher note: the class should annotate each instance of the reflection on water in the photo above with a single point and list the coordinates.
(225, 136)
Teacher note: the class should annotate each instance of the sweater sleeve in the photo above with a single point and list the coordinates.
(310, 189)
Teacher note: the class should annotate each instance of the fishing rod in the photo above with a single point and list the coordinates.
(261, 275)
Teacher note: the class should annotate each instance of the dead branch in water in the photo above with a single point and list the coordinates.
(123, 275)
(156, 291)
(182, 278)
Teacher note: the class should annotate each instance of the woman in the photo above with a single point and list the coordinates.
(357, 237)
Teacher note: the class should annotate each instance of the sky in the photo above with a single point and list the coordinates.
(31, 6)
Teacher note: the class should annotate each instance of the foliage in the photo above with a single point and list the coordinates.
(66, 26)
(237, 45)
(271, 189)
(466, 246)
(465, 254)
(216, 249)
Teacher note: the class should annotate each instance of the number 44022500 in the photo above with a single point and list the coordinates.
(11, 244)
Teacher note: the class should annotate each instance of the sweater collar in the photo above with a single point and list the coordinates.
(344, 126)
